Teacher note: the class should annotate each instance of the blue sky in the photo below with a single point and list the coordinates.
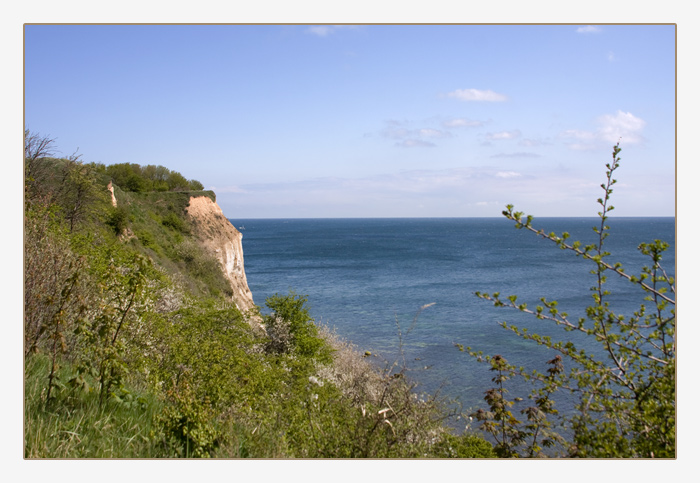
(370, 120)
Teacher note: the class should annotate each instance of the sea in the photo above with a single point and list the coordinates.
(403, 289)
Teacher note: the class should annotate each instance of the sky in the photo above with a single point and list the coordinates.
(297, 121)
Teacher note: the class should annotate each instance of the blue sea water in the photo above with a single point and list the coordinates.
(368, 278)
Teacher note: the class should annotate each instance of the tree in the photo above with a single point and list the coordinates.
(80, 192)
(157, 176)
(177, 182)
(626, 396)
(127, 176)
(37, 146)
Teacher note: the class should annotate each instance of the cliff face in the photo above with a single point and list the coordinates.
(221, 239)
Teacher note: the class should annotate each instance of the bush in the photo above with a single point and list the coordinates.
(118, 219)
(291, 317)
(279, 334)
(187, 426)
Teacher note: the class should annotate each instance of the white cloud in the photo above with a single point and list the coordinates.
(498, 136)
(611, 57)
(477, 95)
(589, 29)
(621, 126)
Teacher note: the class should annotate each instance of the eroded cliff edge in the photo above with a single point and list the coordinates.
(224, 242)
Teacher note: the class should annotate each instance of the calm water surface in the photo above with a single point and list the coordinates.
(365, 276)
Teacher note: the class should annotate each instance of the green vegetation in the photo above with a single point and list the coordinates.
(134, 349)
(624, 391)
(136, 178)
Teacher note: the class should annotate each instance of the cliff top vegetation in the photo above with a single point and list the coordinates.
(133, 347)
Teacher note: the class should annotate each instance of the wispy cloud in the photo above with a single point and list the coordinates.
(415, 143)
(326, 30)
(477, 95)
(589, 29)
(227, 189)
(458, 191)
(499, 136)
(508, 174)
(408, 181)
(532, 143)
(612, 128)
(461, 122)
(579, 134)
(580, 140)
(407, 137)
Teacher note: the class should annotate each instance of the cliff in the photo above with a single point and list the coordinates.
(224, 242)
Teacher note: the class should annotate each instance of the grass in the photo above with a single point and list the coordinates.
(76, 426)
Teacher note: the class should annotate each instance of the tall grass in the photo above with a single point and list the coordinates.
(75, 425)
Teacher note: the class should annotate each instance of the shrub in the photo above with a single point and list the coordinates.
(171, 220)
(118, 219)
(279, 334)
(186, 425)
(291, 311)
(625, 391)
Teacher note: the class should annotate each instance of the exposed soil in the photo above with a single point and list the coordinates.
(223, 241)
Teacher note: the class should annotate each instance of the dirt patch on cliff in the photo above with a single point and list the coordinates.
(204, 209)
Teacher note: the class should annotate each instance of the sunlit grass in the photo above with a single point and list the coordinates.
(76, 426)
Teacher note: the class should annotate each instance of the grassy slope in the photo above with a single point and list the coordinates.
(152, 361)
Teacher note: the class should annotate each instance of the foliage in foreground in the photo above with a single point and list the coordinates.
(133, 349)
(624, 387)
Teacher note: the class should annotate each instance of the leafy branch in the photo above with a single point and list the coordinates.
(626, 398)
